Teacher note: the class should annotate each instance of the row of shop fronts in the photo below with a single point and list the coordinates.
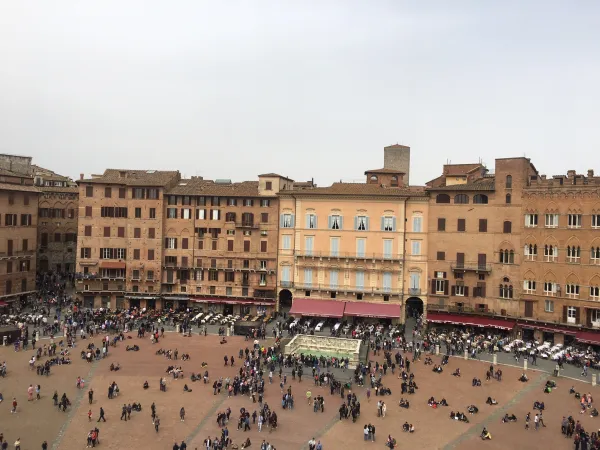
(331, 309)
(234, 306)
(524, 329)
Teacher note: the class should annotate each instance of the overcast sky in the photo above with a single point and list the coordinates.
(311, 88)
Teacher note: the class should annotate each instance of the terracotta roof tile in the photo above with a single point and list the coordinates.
(66, 189)
(484, 184)
(359, 189)
(18, 187)
(460, 169)
(10, 173)
(210, 188)
(275, 175)
(390, 171)
(136, 177)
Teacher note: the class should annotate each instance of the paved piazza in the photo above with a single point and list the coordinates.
(39, 420)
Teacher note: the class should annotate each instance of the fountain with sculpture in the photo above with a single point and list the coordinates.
(325, 346)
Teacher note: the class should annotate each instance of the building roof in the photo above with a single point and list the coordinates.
(135, 177)
(483, 184)
(384, 170)
(397, 146)
(10, 173)
(65, 189)
(275, 175)
(210, 188)
(359, 189)
(460, 169)
(18, 187)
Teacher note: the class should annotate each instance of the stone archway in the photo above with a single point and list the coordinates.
(285, 299)
(413, 305)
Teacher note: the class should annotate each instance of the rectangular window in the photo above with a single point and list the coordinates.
(529, 286)
(333, 279)
(286, 221)
(264, 217)
(121, 232)
(572, 314)
(88, 211)
(360, 280)
(138, 213)
(136, 253)
(246, 246)
(215, 201)
(531, 220)
(507, 227)
(265, 203)
(595, 220)
(215, 214)
(417, 224)
(86, 253)
(285, 275)
(549, 306)
(263, 246)
(415, 280)
(388, 223)
(334, 246)
(152, 213)
(361, 244)
(440, 286)
(387, 282)
(89, 191)
(441, 256)
(441, 224)
(308, 245)
(268, 185)
(172, 200)
(335, 222)
(171, 243)
(137, 233)
(171, 213)
(184, 243)
(230, 245)
(311, 221)
(595, 292)
(459, 289)
(25, 220)
(416, 248)
(572, 290)
(308, 277)
(151, 233)
(461, 225)
(550, 288)
(575, 220)
(286, 242)
(186, 213)
(248, 202)
(57, 237)
(361, 223)
(107, 192)
(483, 225)
(200, 214)
(388, 245)
(551, 220)
(150, 255)
(122, 191)
(106, 232)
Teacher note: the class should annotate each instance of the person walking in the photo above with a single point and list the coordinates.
(536, 422)
(527, 420)
(124, 412)
(156, 423)
(182, 414)
(101, 417)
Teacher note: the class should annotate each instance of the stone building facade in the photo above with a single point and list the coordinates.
(120, 237)
(58, 214)
(561, 249)
(360, 248)
(18, 235)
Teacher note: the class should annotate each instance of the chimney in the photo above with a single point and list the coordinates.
(81, 176)
(543, 177)
(570, 173)
(590, 173)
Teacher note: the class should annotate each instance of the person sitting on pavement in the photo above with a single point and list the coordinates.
(146, 385)
(485, 435)
(507, 418)
(491, 401)
(523, 378)
(472, 409)
(456, 373)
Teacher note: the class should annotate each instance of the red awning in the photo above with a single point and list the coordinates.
(317, 308)
(588, 337)
(3, 303)
(112, 265)
(474, 321)
(365, 309)
(547, 329)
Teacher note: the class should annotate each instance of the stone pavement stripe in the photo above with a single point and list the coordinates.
(210, 414)
(328, 426)
(497, 414)
(74, 407)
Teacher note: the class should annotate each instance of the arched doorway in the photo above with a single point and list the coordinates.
(285, 300)
(414, 305)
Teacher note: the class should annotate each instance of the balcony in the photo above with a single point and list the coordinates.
(246, 224)
(414, 291)
(471, 267)
(17, 254)
(286, 284)
(347, 255)
(341, 288)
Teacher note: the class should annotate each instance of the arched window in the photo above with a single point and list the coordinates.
(461, 199)
(480, 199)
(508, 181)
(506, 290)
(394, 181)
(373, 178)
(508, 199)
(595, 255)
(442, 198)
(507, 256)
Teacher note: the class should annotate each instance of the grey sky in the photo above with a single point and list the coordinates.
(230, 89)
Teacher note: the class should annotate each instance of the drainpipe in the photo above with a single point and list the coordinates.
(403, 309)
